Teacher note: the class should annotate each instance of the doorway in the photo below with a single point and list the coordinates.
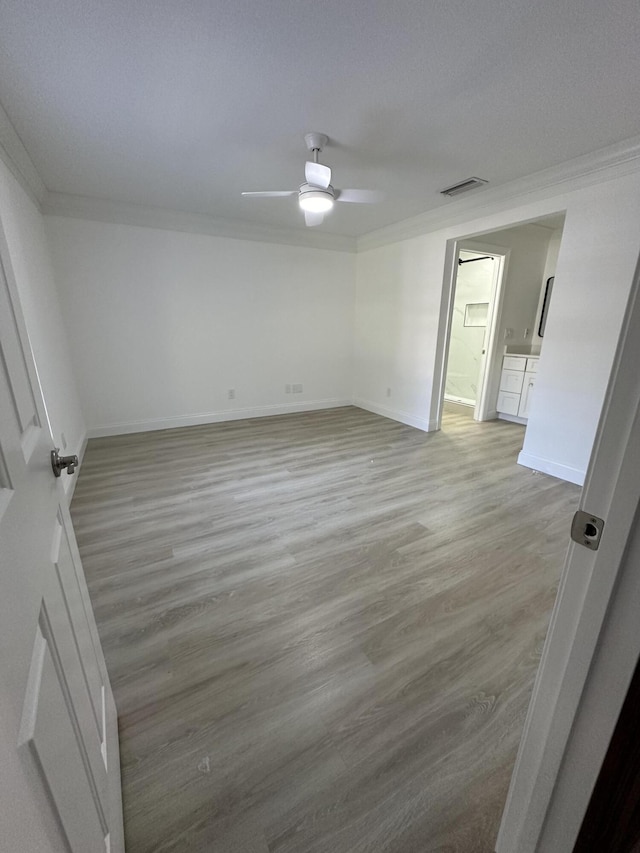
(527, 255)
(475, 287)
(476, 294)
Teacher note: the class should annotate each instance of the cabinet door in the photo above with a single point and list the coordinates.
(508, 403)
(514, 362)
(527, 393)
(511, 381)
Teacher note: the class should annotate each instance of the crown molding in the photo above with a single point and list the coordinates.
(119, 213)
(17, 159)
(605, 164)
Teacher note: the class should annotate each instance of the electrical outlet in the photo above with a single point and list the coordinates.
(287, 389)
(297, 388)
(388, 392)
(526, 333)
(231, 394)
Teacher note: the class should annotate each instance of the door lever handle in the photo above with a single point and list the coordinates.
(59, 462)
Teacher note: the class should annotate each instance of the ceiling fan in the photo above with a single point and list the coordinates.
(316, 196)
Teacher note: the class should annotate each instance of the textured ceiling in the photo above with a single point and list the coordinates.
(182, 104)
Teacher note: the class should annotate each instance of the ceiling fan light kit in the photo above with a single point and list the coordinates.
(315, 200)
(316, 196)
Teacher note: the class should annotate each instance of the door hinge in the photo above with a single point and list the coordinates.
(586, 529)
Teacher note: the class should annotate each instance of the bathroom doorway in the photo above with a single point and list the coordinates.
(527, 254)
(478, 278)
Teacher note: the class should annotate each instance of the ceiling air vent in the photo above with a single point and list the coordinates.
(464, 186)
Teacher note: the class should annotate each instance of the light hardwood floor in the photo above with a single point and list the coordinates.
(322, 629)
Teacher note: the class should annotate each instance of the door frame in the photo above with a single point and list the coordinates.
(483, 410)
(593, 641)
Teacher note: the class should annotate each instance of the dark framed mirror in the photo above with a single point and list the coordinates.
(545, 306)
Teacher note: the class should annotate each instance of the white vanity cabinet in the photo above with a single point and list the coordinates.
(517, 382)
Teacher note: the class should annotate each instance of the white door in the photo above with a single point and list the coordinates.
(59, 762)
(593, 642)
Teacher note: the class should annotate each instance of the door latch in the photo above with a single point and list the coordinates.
(58, 463)
(586, 529)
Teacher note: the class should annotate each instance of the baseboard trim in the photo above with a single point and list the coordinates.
(125, 428)
(555, 469)
(513, 419)
(396, 415)
(461, 401)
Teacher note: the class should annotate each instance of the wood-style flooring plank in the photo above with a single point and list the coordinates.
(321, 629)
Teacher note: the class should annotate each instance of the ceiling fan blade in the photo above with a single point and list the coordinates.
(313, 218)
(272, 194)
(317, 175)
(358, 196)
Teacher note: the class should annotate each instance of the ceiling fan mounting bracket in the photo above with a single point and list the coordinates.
(316, 141)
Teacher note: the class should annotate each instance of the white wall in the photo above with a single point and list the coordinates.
(398, 290)
(596, 263)
(398, 295)
(162, 324)
(29, 256)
